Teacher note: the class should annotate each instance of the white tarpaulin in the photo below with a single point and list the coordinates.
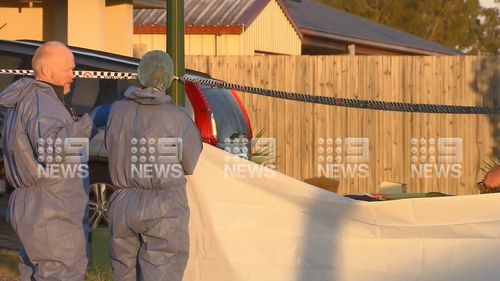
(280, 229)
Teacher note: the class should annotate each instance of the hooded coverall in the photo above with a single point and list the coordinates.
(149, 213)
(48, 212)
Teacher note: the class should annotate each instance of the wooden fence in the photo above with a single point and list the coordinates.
(299, 127)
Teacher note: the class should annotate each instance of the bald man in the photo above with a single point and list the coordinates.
(491, 181)
(47, 209)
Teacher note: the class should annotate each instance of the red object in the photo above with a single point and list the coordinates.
(202, 113)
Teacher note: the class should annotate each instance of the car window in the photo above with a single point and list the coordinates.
(83, 94)
(88, 93)
(9, 61)
(113, 90)
(228, 116)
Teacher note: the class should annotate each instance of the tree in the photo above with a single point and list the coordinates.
(458, 24)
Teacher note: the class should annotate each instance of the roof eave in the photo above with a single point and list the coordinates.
(149, 4)
(191, 29)
(374, 43)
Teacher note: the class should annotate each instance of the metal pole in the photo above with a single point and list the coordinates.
(175, 47)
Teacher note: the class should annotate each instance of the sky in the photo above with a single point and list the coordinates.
(490, 3)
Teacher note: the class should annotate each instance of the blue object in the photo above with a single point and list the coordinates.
(100, 115)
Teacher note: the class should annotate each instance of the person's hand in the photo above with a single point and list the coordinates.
(100, 115)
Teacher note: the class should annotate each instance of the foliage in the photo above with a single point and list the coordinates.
(262, 154)
(459, 24)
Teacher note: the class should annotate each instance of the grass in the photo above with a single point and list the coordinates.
(9, 271)
(8, 267)
(98, 274)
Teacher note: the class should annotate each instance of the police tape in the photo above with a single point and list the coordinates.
(350, 103)
(332, 101)
(89, 74)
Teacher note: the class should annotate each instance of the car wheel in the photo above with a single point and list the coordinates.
(98, 204)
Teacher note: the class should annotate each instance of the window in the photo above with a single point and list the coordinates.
(9, 61)
(88, 93)
(227, 113)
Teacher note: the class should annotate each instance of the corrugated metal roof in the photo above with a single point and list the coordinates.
(319, 17)
(218, 13)
(150, 16)
(206, 12)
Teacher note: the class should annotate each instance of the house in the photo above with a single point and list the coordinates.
(104, 25)
(330, 31)
(221, 27)
(213, 27)
(322, 30)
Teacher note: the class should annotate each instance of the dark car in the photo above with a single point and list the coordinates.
(218, 113)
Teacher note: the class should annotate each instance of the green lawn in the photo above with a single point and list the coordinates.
(9, 271)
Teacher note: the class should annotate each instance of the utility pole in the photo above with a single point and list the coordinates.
(175, 47)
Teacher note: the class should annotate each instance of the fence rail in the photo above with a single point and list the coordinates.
(300, 127)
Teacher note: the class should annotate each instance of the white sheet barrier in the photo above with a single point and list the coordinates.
(280, 229)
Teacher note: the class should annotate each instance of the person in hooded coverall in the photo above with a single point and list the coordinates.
(47, 210)
(148, 213)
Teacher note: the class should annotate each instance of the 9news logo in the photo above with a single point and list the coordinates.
(58, 158)
(441, 157)
(343, 158)
(156, 158)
